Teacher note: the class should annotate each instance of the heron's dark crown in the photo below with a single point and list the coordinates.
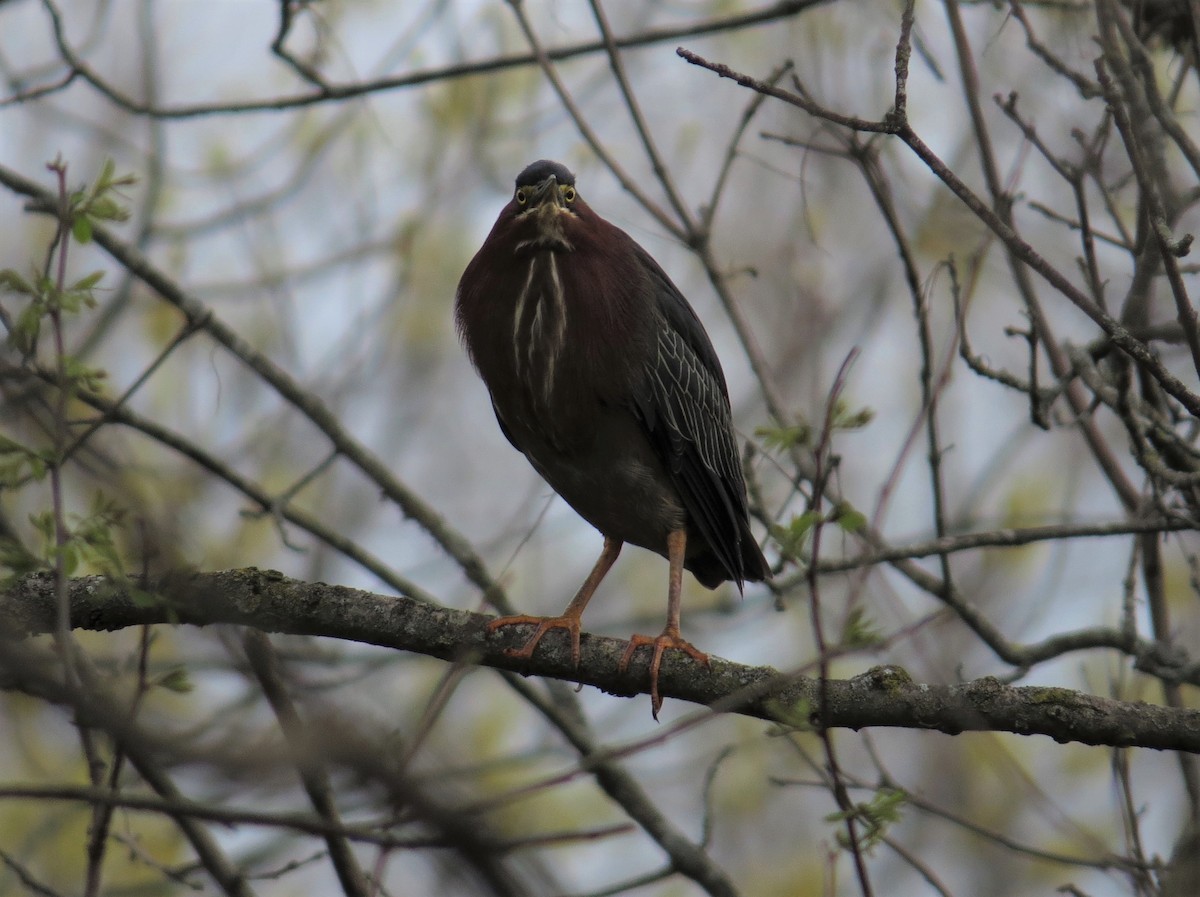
(537, 172)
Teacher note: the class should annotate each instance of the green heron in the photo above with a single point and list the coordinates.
(601, 374)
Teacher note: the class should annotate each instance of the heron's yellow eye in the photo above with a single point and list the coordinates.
(522, 195)
(568, 193)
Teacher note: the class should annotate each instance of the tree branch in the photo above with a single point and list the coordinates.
(324, 92)
(883, 696)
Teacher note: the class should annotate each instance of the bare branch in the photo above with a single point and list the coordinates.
(884, 696)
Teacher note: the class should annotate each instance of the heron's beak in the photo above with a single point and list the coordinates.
(548, 192)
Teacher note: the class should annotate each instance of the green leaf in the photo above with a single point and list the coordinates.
(23, 337)
(75, 300)
(801, 524)
(109, 180)
(796, 716)
(793, 537)
(11, 446)
(13, 471)
(86, 283)
(71, 557)
(43, 523)
(107, 508)
(175, 680)
(15, 283)
(142, 598)
(882, 812)
(781, 438)
(85, 376)
(37, 468)
(860, 631)
(848, 518)
(845, 419)
(105, 208)
(18, 560)
(19, 462)
(81, 228)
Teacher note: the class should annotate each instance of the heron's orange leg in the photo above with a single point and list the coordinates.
(670, 637)
(571, 617)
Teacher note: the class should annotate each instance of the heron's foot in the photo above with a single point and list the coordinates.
(669, 638)
(544, 625)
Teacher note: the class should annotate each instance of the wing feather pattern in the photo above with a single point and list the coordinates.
(687, 416)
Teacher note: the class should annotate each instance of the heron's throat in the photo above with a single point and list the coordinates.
(549, 229)
(539, 328)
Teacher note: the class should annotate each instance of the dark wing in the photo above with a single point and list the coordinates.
(505, 430)
(685, 410)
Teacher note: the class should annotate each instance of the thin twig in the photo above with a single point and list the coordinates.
(823, 456)
(79, 70)
(265, 664)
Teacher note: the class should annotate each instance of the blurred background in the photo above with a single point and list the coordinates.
(317, 175)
